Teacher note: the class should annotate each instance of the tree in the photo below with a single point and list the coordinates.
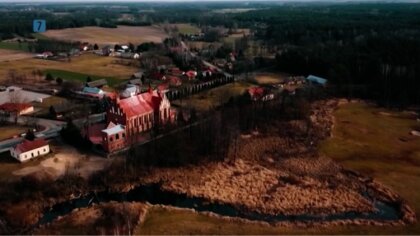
(49, 77)
(30, 135)
(95, 47)
(59, 80)
(52, 111)
(88, 79)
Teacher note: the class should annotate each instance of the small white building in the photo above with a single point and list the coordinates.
(130, 91)
(30, 149)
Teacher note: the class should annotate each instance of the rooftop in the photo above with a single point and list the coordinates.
(28, 145)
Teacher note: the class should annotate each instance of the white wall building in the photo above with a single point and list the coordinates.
(30, 149)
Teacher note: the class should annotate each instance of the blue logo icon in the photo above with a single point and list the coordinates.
(39, 26)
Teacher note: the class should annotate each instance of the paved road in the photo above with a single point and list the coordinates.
(51, 128)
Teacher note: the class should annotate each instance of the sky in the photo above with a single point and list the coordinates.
(120, 1)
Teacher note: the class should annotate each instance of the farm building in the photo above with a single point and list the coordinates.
(93, 90)
(30, 149)
(316, 80)
(97, 83)
(16, 108)
(16, 94)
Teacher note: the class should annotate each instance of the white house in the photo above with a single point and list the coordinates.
(30, 149)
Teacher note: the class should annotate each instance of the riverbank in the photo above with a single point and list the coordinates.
(267, 178)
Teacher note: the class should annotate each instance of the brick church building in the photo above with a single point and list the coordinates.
(128, 117)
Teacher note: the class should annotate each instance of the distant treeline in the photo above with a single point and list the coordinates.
(365, 50)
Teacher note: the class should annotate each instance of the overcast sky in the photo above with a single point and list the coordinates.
(121, 1)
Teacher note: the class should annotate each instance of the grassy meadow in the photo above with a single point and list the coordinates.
(371, 140)
(78, 68)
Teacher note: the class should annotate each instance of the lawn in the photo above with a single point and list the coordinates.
(14, 46)
(74, 76)
(86, 64)
(364, 140)
(206, 100)
(377, 143)
(9, 131)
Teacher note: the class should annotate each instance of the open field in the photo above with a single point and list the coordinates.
(105, 36)
(377, 143)
(86, 64)
(9, 131)
(81, 77)
(268, 78)
(13, 55)
(209, 99)
(187, 28)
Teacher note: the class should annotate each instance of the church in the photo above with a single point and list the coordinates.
(128, 117)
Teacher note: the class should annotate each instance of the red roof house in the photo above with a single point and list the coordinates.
(259, 93)
(17, 108)
(191, 74)
(30, 149)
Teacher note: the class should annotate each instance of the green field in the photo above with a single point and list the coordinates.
(364, 140)
(187, 29)
(14, 46)
(74, 76)
(376, 142)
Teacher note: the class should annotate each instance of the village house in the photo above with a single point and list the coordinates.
(260, 94)
(312, 79)
(191, 74)
(30, 149)
(130, 90)
(93, 91)
(16, 108)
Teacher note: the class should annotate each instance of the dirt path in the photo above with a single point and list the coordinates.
(66, 160)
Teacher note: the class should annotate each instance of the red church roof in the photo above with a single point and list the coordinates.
(140, 104)
(14, 107)
(28, 145)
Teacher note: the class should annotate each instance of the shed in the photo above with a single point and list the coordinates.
(316, 80)
(97, 83)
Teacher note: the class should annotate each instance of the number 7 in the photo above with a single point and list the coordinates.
(39, 25)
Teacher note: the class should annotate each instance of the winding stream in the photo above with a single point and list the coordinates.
(154, 195)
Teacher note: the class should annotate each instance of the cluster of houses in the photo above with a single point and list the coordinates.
(267, 93)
